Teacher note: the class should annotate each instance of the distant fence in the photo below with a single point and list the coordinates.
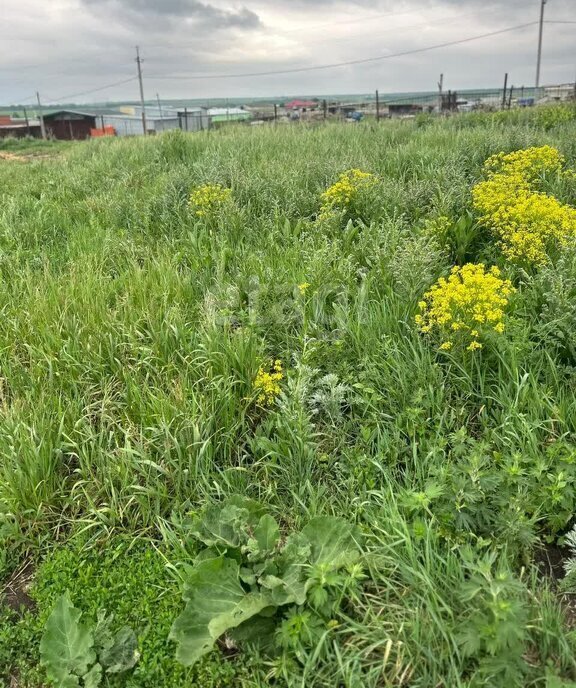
(410, 104)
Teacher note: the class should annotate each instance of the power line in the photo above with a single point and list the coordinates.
(61, 99)
(344, 64)
(20, 101)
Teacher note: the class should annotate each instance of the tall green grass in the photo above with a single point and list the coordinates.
(131, 333)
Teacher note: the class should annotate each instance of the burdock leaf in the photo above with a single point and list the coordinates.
(217, 602)
(333, 541)
(123, 654)
(267, 533)
(93, 677)
(227, 524)
(66, 645)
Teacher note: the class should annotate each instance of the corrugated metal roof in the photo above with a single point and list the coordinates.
(64, 111)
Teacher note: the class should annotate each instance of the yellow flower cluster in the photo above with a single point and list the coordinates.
(342, 194)
(267, 383)
(528, 164)
(208, 199)
(469, 303)
(527, 222)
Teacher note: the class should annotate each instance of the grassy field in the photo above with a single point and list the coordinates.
(377, 508)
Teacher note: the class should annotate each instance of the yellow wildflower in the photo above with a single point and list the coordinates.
(466, 305)
(267, 383)
(528, 223)
(342, 194)
(208, 199)
(302, 288)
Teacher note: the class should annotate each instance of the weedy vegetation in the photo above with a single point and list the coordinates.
(291, 407)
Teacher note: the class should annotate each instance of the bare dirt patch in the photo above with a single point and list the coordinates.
(15, 591)
(28, 157)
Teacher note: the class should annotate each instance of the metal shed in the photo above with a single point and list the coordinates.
(195, 119)
(69, 124)
(131, 125)
(162, 119)
(231, 114)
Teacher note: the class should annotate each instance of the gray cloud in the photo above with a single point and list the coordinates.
(199, 12)
(47, 47)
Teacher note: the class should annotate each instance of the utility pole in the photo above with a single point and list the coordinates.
(440, 87)
(142, 103)
(377, 106)
(540, 32)
(505, 89)
(42, 125)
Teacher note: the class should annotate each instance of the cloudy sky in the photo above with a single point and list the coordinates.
(67, 49)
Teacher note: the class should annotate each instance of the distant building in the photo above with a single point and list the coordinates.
(195, 119)
(19, 128)
(164, 118)
(232, 114)
(304, 105)
(561, 92)
(69, 125)
(122, 125)
(404, 109)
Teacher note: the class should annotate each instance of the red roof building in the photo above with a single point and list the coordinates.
(300, 104)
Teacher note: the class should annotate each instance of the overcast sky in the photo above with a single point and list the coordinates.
(67, 47)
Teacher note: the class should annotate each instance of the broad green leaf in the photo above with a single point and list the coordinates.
(217, 602)
(93, 677)
(122, 654)
(227, 524)
(103, 636)
(267, 533)
(66, 645)
(290, 588)
(247, 576)
(258, 630)
(333, 541)
(291, 572)
(294, 586)
(296, 551)
(267, 567)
